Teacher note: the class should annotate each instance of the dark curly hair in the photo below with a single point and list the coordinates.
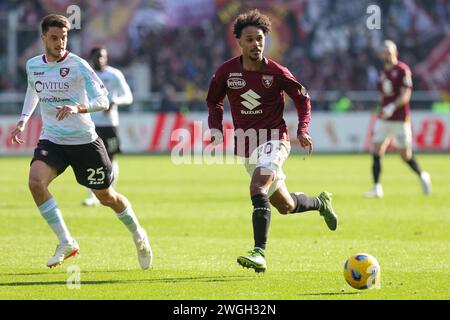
(251, 18)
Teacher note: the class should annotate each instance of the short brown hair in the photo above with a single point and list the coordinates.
(251, 18)
(54, 20)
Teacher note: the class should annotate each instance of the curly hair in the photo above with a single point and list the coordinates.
(251, 18)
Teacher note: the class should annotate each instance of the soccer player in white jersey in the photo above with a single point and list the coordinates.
(67, 91)
(394, 120)
(107, 122)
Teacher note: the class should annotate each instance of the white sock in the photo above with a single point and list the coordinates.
(115, 168)
(51, 213)
(129, 219)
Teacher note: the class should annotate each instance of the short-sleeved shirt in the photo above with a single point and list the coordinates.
(389, 84)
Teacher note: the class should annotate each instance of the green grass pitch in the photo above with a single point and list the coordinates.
(199, 220)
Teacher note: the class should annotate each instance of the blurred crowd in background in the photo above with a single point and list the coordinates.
(325, 43)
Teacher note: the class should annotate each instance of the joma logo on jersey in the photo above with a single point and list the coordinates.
(251, 102)
(236, 83)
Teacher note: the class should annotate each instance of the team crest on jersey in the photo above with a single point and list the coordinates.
(267, 81)
(64, 72)
(236, 83)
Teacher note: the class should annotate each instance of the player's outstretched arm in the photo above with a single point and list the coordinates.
(214, 100)
(29, 104)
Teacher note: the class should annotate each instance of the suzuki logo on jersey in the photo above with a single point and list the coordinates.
(251, 102)
(236, 83)
(64, 71)
(267, 81)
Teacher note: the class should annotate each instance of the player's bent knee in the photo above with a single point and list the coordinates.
(36, 185)
(283, 209)
(258, 189)
(106, 198)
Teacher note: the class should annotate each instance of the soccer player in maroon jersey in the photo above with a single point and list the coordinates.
(255, 88)
(395, 86)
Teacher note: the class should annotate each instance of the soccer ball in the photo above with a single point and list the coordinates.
(362, 271)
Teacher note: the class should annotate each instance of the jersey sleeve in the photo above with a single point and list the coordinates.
(214, 99)
(124, 96)
(406, 80)
(302, 101)
(92, 83)
(31, 100)
(379, 86)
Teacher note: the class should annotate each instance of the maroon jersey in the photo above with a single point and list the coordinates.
(256, 100)
(389, 84)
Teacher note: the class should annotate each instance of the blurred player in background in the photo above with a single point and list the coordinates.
(67, 90)
(107, 122)
(255, 88)
(395, 86)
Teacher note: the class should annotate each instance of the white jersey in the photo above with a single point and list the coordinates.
(68, 81)
(119, 94)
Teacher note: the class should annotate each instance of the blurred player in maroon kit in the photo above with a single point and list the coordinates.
(255, 88)
(395, 86)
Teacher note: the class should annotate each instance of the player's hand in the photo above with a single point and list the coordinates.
(306, 142)
(388, 111)
(65, 111)
(15, 133)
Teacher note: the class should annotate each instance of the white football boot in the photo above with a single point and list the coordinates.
(425, 179)
(91, 202)
(144, 251)
(375, 192)
(63, 252)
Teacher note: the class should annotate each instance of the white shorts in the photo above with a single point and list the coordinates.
(270, 155)
(398, 130)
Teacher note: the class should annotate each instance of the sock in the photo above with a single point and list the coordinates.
(129, 219)
(413, 164)
(91, 194)
(115, 168)
(303, 203)
(51, 213)
(261, 220)
(376, 169)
